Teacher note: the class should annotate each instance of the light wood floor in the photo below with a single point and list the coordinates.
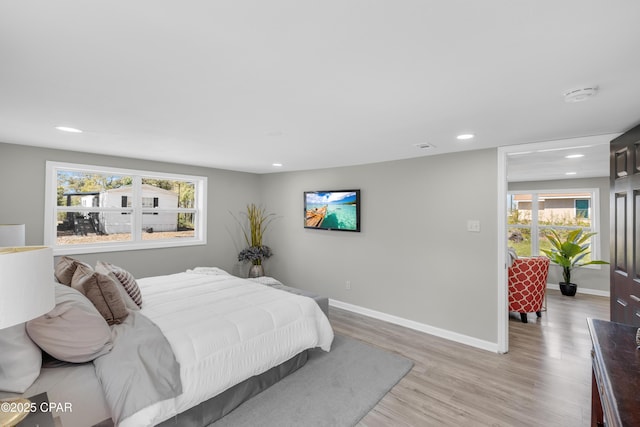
(544, 380)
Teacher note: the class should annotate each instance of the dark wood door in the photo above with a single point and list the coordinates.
(625, 227)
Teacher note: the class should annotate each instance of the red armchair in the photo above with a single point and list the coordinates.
(527, 285)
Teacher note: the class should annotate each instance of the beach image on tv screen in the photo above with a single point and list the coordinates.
(333, 210)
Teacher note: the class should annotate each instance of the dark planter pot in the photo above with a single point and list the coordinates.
(568, 289)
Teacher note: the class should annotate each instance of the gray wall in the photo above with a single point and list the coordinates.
(22, 171)
(591, 278)
(414, 257)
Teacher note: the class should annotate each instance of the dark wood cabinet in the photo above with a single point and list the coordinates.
(615, 394)
(625, 227)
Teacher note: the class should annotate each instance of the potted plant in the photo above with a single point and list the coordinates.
(569, 254)
(253, 230)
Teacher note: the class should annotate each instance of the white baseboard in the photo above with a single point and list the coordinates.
(442, 333)
(580, 290)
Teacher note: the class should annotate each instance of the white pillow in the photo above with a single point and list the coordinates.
(20, 359)
(266, 280)
(74, 331)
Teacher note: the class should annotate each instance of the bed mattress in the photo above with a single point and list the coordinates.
(224, 330)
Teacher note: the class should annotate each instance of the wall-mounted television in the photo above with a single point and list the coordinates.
(332, 210)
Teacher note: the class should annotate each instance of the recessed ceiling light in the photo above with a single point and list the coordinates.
(574, 156)
(68, 129)
(570, 173)
(277, 165)
(465, 136)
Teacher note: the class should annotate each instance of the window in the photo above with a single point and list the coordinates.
(532, 213)
(99, 209)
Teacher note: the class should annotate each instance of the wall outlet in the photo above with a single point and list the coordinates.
(347, 284)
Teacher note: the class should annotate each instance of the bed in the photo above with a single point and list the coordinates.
(202, 342)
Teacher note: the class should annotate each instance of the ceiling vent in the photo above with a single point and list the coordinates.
(579, 95)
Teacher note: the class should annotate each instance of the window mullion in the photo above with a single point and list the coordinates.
(136, 204)
(535, 235)
(200, 197)
(594, 208)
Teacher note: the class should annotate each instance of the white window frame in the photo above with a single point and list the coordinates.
(594, 216)
(51, 211)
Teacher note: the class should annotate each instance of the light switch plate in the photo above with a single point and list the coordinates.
(473, 225)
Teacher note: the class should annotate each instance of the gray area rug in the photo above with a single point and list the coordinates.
(333, 389)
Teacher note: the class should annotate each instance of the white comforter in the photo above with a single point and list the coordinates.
(223, 330)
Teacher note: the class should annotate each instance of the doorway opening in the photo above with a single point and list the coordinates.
(547, 162)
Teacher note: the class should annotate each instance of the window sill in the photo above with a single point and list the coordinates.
(121, 247)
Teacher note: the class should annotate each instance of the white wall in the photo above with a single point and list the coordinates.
(593, 278)
(414, 257)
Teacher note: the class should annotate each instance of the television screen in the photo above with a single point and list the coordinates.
(332, 210)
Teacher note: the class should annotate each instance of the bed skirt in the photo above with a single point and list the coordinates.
(217, 407)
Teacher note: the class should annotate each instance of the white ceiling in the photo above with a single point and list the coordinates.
(239, 84)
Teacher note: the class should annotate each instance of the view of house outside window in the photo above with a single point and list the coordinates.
(532, 214)
(98, 209)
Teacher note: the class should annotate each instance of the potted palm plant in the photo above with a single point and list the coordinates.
(253, 229)
(569, 254)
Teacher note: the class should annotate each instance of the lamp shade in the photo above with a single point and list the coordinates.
(11, 235)
(26, 284)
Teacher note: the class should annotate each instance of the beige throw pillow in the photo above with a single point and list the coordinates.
(65, 267)
(129, 287)
(102, 291)
(73, 331)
